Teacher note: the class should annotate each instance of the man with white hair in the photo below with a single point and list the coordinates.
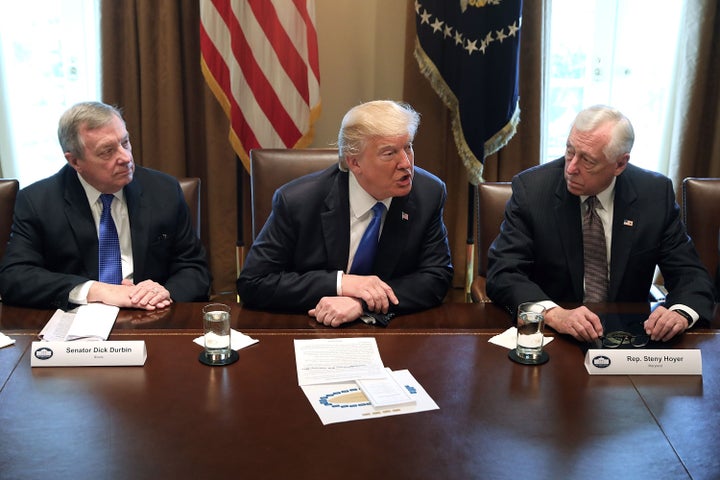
(540, 254)
(311, 254)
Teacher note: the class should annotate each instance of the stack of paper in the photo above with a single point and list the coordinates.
(344, 379)
(88, 322)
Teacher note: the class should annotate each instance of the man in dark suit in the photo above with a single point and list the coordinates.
(303, 259)
(52, 256)
(539, 254)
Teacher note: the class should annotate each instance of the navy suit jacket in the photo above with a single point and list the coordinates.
(538, 254)
(54, 241)
(294, 261)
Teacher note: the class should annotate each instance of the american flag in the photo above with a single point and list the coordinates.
(260, 59)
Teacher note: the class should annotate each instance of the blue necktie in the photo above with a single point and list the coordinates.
(110, 268)
(365, 254)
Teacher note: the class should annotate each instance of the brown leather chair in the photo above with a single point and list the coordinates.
(701, 215)
(270, 168)
(492, 197)
(191, 189)
(8, 191)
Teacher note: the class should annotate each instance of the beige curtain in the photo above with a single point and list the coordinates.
(151, 69)
(695, 147)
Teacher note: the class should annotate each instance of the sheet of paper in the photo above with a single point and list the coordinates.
(55, 330)
(334, 360)
(344, 402)
(93, 322)
(385, 392)
(89, 322)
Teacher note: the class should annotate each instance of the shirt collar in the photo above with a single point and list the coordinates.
(93, 194)
(361, 202)
(605, 197)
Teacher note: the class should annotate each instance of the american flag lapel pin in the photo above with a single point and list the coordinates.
(628, 223)
(404, 216)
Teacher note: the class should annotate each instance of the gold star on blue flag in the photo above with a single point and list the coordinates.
(469, 50)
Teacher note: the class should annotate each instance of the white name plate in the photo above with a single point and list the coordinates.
(88, 353)
(643, 362)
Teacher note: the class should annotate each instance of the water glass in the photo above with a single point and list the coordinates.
(530, 319)
(216, 328)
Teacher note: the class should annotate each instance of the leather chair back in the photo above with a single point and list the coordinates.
(491, 200)
(8, 191)
(271, 168)
(191, 190)
(701, 215)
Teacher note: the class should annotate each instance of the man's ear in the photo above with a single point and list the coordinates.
(621, 164)
(352, 163)
(72, 160)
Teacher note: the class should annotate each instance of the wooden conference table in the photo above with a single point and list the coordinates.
(177, 418)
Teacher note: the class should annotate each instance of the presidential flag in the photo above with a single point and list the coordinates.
(469, 50)
(260, 59)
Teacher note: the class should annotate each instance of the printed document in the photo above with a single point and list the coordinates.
(335, 360)
(88, 322)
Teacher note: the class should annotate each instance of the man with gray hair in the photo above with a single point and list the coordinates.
(361, 239)
(102, 229)
(591, 228)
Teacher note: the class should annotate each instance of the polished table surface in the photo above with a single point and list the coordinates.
(177, 418)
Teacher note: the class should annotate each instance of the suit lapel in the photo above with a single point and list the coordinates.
(137, 215)
(623, 233)
(568, 220)
(80, 219)
(335, 223)
(394, 235)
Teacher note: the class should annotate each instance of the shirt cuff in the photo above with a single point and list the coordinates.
(78, 295)
(548, 304)
(338, 283)
(693, 314)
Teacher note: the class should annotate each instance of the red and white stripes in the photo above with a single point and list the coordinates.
(260, 59)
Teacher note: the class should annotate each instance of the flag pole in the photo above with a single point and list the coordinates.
(470, 244)
(240, 239)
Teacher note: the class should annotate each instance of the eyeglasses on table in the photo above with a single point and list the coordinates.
(619, 338)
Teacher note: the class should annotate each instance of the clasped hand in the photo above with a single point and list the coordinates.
(147, 295)
(356, 289)
(584, 325)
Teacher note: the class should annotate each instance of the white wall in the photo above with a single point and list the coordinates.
(356, 66)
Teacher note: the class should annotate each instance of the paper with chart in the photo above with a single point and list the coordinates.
(344, 379)
(345, 402)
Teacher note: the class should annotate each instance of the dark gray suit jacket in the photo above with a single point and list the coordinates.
(539, 252)
(306, 240)
(54, 242)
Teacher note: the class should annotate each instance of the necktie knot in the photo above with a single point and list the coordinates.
(592, 204)
(365, 254)
(106, 199)
(378, 209)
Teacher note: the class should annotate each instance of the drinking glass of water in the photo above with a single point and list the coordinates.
(530, 320)
(216, 329)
